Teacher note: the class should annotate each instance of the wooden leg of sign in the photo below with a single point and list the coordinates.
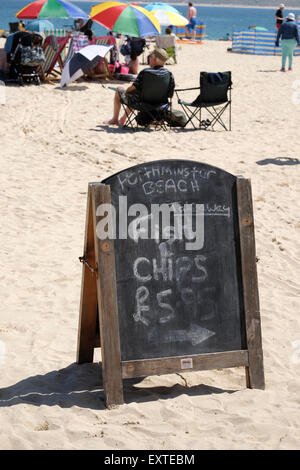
(87, 330)
(255, 371)
(107, 304)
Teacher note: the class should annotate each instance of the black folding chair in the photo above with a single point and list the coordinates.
(153, 104)
(214, 98)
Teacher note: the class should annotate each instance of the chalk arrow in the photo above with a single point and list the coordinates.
(195, 334)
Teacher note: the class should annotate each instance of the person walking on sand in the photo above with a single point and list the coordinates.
(279, 16)
(192, 19)
(157, 60)
(289, 33)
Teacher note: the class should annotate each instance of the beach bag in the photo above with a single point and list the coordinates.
(137, 45)
(125, 49)
(176, 118)
(32, 56)
(121, 68)
(133, 45)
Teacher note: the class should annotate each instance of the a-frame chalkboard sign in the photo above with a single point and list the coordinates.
(169, 277)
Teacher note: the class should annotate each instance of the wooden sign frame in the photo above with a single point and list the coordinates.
(98, 307)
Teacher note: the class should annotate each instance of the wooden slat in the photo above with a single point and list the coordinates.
(50, 54)
(255, 371)
(107, 306)
(170, 365)
(87, 335)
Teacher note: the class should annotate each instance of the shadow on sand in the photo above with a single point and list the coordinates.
(279, 161)
(124, 130)
(81, 385)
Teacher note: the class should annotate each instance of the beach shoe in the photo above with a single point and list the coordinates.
(290, 68)
(282, 69)
(205, 123)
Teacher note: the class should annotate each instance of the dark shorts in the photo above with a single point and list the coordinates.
(131, 99)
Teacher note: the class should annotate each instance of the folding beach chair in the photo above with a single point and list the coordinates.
(53, 48)
(153, 104)
(69, 51)
(168, 42)
(214, 98)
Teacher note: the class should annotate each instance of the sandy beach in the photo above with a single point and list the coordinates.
(53, 143)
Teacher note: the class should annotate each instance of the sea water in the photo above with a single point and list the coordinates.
(219, 20)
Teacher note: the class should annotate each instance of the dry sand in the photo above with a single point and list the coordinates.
(53, 143)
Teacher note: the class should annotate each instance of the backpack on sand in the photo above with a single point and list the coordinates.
(176, 118)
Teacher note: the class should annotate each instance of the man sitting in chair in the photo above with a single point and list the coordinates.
(158, 57)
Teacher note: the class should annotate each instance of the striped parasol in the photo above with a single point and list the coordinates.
(166, 14)
(50, 9)
(123, 18)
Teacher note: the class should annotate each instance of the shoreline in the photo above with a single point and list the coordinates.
(221, 5)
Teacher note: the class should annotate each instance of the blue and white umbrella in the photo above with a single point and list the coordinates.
(81, 62)
(166, 14)
(39, 26)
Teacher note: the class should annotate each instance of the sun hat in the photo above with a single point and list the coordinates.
(291, 16)
(281, 5)
(161, 54)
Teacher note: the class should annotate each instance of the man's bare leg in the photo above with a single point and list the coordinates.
(187, 33)
(116, 112)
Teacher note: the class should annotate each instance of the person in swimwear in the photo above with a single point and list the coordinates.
(192, 18)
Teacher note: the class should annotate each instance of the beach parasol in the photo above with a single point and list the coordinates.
(39, 25)
(81, 62)
(125, 18)
(161, 6)
(166, 14)
(166, 18)
(50, 9)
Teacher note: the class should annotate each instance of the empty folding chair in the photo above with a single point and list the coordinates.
(214, 98)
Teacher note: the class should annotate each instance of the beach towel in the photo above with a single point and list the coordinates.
(215, 78)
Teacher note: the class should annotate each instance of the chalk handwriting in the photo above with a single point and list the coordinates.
(141, 296)
(186, 273)
(163, 179)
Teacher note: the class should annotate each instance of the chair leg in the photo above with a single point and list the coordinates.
(131, 117)
(190, 115)
(217, 117)
(159, 120)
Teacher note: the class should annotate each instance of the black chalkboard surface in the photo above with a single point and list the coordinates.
(174, 301)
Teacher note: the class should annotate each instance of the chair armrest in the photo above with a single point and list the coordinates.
(186, 89)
